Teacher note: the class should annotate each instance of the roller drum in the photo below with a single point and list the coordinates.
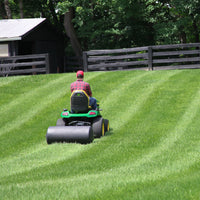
(79, 134)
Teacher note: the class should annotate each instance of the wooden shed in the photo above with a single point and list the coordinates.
(32, 36)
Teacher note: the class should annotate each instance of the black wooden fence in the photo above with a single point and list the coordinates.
(27, 64)
(179, 56)
(72, 64)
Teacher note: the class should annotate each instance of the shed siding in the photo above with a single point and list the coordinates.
(4, 50)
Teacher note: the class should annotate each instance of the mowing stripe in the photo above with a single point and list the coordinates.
(26, 116)
(142, 96)
(151, 157)
(5, 80)
(29, 96)
(38, 157)
(122, 88)
(114, 178)
(168, 142)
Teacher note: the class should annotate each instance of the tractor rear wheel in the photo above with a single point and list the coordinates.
(98, 127)
(106, 125)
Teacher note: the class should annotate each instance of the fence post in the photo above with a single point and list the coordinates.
(150, 59)
(85, 62)
(47, 63)
(198, 47)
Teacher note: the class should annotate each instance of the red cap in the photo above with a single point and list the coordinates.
(80, 72)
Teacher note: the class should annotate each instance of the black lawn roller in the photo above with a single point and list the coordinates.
(80, 134)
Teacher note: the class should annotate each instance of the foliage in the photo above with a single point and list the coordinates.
(182, 24)
(153, 144)
(100, 24)
(105, 24)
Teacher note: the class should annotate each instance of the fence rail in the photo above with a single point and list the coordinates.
(72, 64)
(27, 64)
(178, 56)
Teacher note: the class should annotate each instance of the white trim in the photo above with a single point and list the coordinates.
(10, 39)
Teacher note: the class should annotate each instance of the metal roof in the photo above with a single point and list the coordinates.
(14, 29)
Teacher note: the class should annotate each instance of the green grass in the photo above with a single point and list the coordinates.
(151, 152)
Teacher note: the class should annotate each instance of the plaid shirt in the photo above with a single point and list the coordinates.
(81, 85)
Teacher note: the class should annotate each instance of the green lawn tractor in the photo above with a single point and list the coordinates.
(81, 124)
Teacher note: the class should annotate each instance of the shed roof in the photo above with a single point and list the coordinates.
(15, 29)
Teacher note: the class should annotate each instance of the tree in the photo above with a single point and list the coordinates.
(21, 9)
(182, 23)
(69, 28)
(2, 10)
(7, 9)
(108, 23)
(100, 24)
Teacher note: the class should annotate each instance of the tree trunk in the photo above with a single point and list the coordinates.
(7, 9)
(196, 31)
(69, 28)
(183, 38)
(21, 9)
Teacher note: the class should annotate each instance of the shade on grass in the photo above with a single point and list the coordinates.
(151, 152)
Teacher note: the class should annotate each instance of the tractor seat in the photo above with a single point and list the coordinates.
(79, 101)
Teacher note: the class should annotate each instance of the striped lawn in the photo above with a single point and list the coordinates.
(151, 152)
